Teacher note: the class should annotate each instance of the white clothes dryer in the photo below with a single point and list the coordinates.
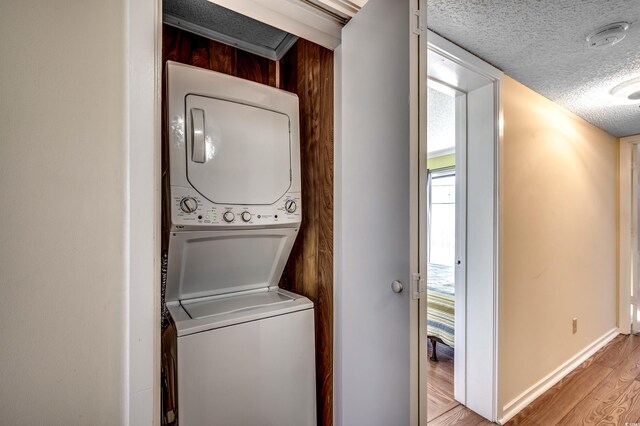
(245, 347)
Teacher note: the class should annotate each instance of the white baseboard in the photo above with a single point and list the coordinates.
(624, 330)
(514, 406)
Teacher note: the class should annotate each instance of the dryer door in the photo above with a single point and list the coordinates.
(237, 153)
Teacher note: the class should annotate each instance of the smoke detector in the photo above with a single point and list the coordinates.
(608, 35)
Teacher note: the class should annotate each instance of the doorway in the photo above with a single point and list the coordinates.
(446, 112)
(459, 234)
(629, 275)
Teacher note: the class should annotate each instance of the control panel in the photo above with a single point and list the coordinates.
(190, 210)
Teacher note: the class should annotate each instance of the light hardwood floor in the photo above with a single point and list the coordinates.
(604, 390)
(442, 409)
(440, 383)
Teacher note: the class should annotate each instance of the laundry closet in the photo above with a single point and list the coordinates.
(247, 221)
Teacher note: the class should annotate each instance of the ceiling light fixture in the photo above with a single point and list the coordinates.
(608, 35)
(630, 90)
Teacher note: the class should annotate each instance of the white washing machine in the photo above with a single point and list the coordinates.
(245, 347)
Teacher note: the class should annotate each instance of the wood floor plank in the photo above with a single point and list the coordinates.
(603, 390)
(438, 403)
(617, 350)
(546, 398)
(570, 394)
(595, 406)
(625, 409)
(438, 408)
(440, 384)
(442, 408)
(459, 416)
(622, 376)
(606, 348)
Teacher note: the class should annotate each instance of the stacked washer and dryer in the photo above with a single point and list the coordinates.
(245, 347)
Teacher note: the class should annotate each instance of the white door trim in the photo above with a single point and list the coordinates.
(417, 173)
(143, 91)
(457, 54)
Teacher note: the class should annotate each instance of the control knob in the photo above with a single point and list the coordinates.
(290, 206)
(188, 204)
(246, 216)
(228, 216)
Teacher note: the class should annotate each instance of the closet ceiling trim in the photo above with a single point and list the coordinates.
(319, 21)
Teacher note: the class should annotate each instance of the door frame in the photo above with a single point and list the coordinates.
(483, 396)
(417, 205)
(141, 390)
(628, 231)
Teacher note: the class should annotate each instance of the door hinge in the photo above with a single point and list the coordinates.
(417, 22)
(417, 286)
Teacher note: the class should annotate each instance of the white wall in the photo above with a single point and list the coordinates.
(372, 217)
(63, 166)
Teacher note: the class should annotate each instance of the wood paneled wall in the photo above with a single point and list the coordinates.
(191, 49)
(306, 70)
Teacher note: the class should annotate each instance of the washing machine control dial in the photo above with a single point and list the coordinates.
(228, 216)
(188, 204)
(246, 216)
(290, 206)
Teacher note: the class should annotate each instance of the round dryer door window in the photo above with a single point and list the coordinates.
(237, 153)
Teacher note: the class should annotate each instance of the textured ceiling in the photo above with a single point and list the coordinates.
(541, 43)
(441, 125)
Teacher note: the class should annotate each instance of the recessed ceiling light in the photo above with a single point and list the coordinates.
(630, 89)
(608, 35)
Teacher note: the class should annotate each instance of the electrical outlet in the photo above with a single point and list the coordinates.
(575, 325)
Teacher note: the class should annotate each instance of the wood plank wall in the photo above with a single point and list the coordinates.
(306, 70)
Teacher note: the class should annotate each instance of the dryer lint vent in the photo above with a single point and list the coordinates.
(608, 35)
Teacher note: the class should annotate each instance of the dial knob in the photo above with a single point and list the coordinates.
(290, 206)
(228, 216)
(188, 204)
(246, 216)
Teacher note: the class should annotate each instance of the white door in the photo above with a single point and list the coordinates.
(372, 218)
